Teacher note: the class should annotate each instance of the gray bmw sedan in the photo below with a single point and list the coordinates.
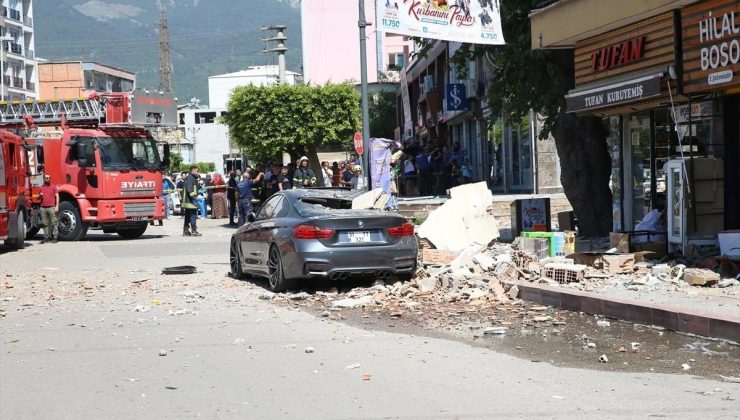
(311, 233)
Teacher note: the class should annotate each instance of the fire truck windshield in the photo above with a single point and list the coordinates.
(135, 153)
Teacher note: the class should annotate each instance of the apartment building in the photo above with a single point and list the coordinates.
(18, 64)
(331, 44)
(74, 79)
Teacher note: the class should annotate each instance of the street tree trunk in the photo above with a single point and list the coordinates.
(585, 171)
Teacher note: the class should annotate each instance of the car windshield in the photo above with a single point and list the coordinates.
(128, 153)
(320, 206)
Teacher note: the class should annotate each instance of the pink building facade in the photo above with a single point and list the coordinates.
(331, 44)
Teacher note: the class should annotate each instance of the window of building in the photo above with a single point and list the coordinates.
(205, 117)
(182, 118)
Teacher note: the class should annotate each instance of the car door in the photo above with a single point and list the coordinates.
(265, 225)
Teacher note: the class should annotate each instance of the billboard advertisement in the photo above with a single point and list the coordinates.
(471, 21)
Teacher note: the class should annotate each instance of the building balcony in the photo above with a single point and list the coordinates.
(13, 48)
(30, 54)
(31, 86)
(28, 21)
(12, 14)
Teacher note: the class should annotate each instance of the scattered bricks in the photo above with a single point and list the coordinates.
(700, 277)
(498, 291)
(537, 247)
(437, 257)
(619, 264)
(564, 273)
(521, 259)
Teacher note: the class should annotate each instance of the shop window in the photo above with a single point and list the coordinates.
(614, 146)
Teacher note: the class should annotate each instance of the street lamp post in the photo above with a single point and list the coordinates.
(363, 23)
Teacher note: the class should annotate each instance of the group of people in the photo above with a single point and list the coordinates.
(227, 198)
(234, 197)
(428, 170)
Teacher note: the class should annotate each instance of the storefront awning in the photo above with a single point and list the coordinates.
(614, 94)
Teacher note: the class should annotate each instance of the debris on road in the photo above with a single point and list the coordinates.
(353, 366)
(309, 350)
(163, 352)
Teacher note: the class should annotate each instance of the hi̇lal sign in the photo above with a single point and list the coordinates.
(618, 54)
(711, 34)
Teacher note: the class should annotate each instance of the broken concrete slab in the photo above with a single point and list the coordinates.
(700, 277)
(350, 303)
(462, 220)
(427, 284)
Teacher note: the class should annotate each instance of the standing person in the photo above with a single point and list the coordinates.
(304, 176)
(284, 179)
(291, 172)
(181, 180)
(231, 196)
(190, 203)
(326, 174)
(346, 179)
(207, 184)
(466, 172)
(244, 197)
(168, 188)
(49, 209)
(335, 174)
(358, 181)
(272, 184)
(258, 183)
(219, 207)
(423, 164)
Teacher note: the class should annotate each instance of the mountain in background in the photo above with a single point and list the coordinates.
(207, 37)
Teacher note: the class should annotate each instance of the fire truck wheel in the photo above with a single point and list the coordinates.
(71, 227)
(133, 233)
(20, 241)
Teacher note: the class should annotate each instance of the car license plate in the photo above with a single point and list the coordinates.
(136, 219)
(358, 237)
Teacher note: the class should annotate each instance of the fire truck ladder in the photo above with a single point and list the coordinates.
(50, 112)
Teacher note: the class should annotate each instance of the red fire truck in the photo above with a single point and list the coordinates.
(15, 189)
(108, 171)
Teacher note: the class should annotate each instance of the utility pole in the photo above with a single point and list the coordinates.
(280, 48)
(165, 62)
(363, 23)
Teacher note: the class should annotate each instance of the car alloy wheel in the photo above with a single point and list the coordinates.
(278, 282)
(235, 260)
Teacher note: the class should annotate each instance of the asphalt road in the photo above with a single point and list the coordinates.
(93, 330)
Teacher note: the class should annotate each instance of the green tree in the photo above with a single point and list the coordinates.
(383, 115)
(527, 79)
(175, 163)
(268, 120)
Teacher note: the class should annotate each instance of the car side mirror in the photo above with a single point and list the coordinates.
(250, 217)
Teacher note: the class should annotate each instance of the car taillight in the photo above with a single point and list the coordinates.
(311, 232)
(406, 229)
